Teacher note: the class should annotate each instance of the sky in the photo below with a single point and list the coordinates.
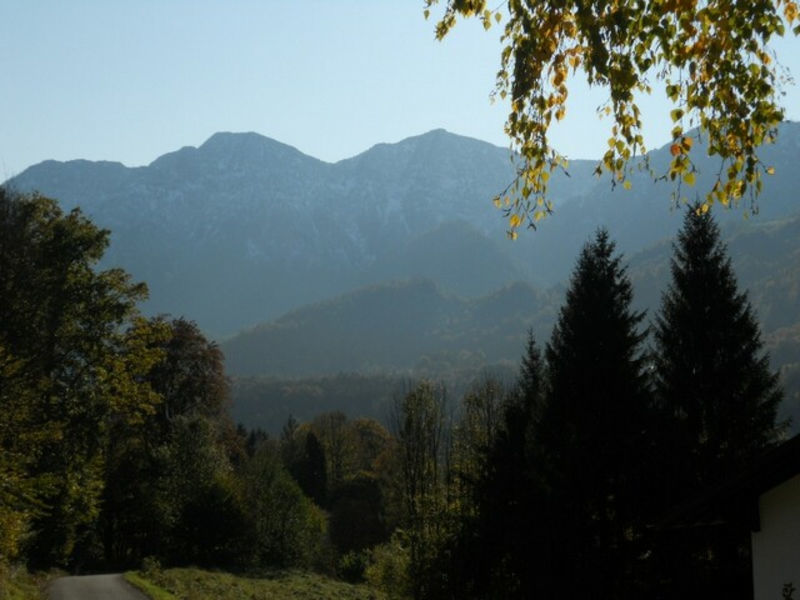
(130, 81)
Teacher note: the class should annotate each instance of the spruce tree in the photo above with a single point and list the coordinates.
(591, 439)
(712, 376)
(504, 533)
(719, 401)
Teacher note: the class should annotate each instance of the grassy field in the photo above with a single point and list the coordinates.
(195, 584)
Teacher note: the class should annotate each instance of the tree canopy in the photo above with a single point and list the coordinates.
(72, 356)
(712, 56)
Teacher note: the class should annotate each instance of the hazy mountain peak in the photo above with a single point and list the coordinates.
(225, 151)
(250, 144)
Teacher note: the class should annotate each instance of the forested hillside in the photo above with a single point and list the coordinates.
(401, 326)
(417, 329)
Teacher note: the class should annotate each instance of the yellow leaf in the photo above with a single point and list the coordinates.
(514, 221)
(627, 185)
(790, 10)
(770, 170)
(689, 178)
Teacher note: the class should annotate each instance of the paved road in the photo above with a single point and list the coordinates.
(93, 587)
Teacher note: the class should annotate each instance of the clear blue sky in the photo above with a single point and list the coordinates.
(129, 81)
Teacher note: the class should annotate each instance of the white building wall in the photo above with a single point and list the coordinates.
(776, 548)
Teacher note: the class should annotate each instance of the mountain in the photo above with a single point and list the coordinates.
(244, 228)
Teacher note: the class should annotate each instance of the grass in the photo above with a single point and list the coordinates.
(196, 584)
(149, 589)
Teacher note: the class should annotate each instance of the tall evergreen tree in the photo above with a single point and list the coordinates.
(591, 440)
(719, 400)
(505, 541)
(712, 376)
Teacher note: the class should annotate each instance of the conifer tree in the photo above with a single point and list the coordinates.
(591, 440)
(509, 496)
(717, 393)
(712, 376)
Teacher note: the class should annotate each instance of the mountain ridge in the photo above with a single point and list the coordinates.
(243, 228)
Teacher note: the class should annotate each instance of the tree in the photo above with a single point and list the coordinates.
(72, 352)
(308, 467)
(357, 519)
(18, 438)
(418, 423)
(715, 388)
(191, 377)
(591, 440)
(711, 373)
(286, 528)
(713, 57)
(165, 479)
(509, 497)
(333, 431)
(473, 436)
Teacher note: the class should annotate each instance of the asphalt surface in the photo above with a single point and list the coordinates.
(93, 587)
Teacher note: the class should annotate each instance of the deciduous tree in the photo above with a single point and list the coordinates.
(418, 423)
(713, 58)
(66, 340)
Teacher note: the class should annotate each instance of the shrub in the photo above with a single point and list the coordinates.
(388, 568)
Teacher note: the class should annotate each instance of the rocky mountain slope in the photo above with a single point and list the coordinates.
(244, 228)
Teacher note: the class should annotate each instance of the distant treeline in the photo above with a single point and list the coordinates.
(266, 403)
